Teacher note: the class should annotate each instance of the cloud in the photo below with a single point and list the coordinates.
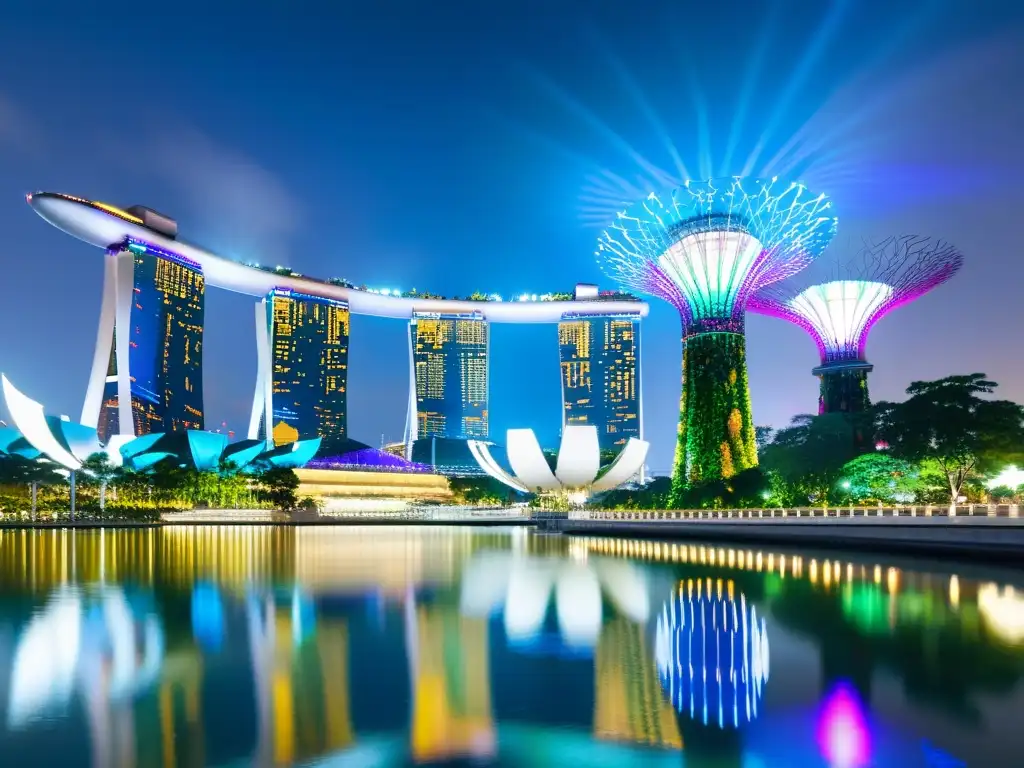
(235, 201)
(18, 130)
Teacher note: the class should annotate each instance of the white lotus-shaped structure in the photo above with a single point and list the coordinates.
(72, 640)
(578, 468)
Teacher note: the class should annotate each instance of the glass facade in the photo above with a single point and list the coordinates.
(450, 361)
(309, 351)
(165, 339)
(600, 360)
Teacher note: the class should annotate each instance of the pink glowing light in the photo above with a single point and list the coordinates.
(843, 736)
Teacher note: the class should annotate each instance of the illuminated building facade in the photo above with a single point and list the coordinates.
(149, 352)
(600, 361)
(449, 368)
(302, 378)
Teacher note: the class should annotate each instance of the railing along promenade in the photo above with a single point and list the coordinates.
(799, 513)
(972, 530)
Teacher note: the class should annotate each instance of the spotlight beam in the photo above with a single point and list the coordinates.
(804, 67)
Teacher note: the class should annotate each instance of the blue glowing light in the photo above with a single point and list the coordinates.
(712, 655)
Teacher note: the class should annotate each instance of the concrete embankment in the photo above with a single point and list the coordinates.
(981, 537)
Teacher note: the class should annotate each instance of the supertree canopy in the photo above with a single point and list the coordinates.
(705, 248)
(839, 314)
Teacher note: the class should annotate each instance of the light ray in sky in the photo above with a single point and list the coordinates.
(803, 69)
(637, 94)
(577, 108)
(746, 92)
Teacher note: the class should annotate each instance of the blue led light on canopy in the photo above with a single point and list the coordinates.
(711, 651)
(707, 246)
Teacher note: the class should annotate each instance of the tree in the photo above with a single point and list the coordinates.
(16, 470)
(279, 485)
(809, 455)
(97, 468)
(482, 491)
(763, 437)
(878, 477)
(948, 422)
(653, 495)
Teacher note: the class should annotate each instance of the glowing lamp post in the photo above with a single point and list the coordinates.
(839, 314)
(705, 248)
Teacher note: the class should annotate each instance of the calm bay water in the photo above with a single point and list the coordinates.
(239, 646)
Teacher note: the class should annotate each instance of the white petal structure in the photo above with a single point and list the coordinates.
(521, 587)
(43, 671)
(29, 419)
(577, 467)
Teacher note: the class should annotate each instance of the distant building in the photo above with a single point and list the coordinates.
(153, 359)
(600, 361)
(449, 360)
(303, 387)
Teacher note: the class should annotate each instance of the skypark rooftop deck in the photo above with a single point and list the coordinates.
(104, 226)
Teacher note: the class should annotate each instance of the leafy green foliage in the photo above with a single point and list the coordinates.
(748, 488)
(716, 431)
(809, 456)
(949, 423)
(653, 495)
(763, 437)
(879, 478)
(481, 491)
(278, 485)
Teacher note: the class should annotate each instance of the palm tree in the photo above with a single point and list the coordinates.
(99, 469)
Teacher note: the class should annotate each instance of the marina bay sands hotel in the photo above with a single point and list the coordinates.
(147, 373)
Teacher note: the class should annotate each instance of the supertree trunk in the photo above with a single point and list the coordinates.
(843, 390)
(716, 429)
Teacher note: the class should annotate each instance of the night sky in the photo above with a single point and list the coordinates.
(457, 146)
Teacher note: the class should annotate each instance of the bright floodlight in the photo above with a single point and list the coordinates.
(839, 314)
(705, 248)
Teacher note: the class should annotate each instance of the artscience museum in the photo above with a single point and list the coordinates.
(68, 444)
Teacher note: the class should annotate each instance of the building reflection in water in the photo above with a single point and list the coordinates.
(450, 669)
(270, 647)
(629, 705)
(300, 669)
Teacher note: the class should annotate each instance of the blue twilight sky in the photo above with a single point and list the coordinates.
(455, 146)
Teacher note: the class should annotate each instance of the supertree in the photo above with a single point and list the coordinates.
(705, 248)
(840, 313)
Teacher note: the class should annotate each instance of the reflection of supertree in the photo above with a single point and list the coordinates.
(843, 735)
(712, 655)
(839, 314)
(705, 248)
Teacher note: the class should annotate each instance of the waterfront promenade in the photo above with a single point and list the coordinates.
(976, 530)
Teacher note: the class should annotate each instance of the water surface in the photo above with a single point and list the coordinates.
(265, 646)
